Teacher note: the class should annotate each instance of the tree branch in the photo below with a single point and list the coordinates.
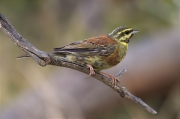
(44, 58)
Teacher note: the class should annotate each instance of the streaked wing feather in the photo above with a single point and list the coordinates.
(91, 46)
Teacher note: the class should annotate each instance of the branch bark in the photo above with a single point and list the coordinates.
(44, 58)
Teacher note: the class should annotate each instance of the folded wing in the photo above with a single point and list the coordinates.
(92, 46)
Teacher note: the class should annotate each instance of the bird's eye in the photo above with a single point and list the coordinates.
(127, 32)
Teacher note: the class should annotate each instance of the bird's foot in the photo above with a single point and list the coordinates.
(91, 70)
(114, 79)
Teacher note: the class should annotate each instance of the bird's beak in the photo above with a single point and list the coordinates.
(135, 31)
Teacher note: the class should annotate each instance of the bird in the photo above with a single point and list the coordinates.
(101, 52)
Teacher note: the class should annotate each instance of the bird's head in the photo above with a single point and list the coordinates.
(123, 34)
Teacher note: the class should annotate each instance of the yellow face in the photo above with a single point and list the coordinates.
(123, 34)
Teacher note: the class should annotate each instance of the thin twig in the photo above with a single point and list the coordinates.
(121, 72)
(44, 58)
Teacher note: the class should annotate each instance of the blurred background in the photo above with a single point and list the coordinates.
(29, 91)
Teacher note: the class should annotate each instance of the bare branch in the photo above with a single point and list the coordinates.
(43, 59)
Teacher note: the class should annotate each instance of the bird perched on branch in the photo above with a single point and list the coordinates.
(99, 53)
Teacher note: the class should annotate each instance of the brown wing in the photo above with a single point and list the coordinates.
(102, 45)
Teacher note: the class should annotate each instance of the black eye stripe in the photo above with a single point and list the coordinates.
(124, 33)
(127, 32)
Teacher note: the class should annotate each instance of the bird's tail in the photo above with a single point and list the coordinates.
(23, 56)
(27, 55)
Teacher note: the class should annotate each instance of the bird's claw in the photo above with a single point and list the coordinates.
(91, 70)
